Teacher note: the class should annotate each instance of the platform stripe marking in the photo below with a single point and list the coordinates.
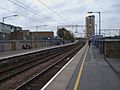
(80, 72)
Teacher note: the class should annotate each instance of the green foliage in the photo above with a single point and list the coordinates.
(65, 34)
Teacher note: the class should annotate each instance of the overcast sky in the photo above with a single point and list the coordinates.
(60, 12)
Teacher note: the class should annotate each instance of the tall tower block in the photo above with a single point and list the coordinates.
(90, 26)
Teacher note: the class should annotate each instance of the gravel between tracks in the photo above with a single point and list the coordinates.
(17, 80)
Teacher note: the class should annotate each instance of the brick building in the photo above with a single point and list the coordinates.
(20, 35)
(43, 35)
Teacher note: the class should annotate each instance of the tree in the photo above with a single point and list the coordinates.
(65, 34)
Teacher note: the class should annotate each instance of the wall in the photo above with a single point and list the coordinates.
(112, 49)
(18, 44)
(16, 36)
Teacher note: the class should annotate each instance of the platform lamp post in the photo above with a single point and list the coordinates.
(3, 19)
(8, 17)
(37, 30)
(99, 21)
(39, 26)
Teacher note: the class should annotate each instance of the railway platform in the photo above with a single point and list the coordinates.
(8, 54)
(19, 52)
(87, 70)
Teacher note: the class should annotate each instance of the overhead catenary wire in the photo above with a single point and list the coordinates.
(19, 14)
(57, 6)
(30, 7)
(52, 10)
(29, 18)
(22, 5)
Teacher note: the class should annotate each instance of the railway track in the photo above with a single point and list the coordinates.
(16, 69)
(8, 63)
(52, 59)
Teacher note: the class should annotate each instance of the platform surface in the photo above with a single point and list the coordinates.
(8, 54)
(96, 74)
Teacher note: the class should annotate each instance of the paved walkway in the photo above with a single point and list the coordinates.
(19, 52)
(96, 73)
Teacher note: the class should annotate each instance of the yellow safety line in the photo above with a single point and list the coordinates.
(80, 72)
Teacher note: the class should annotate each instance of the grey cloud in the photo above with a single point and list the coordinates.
(75, 9)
